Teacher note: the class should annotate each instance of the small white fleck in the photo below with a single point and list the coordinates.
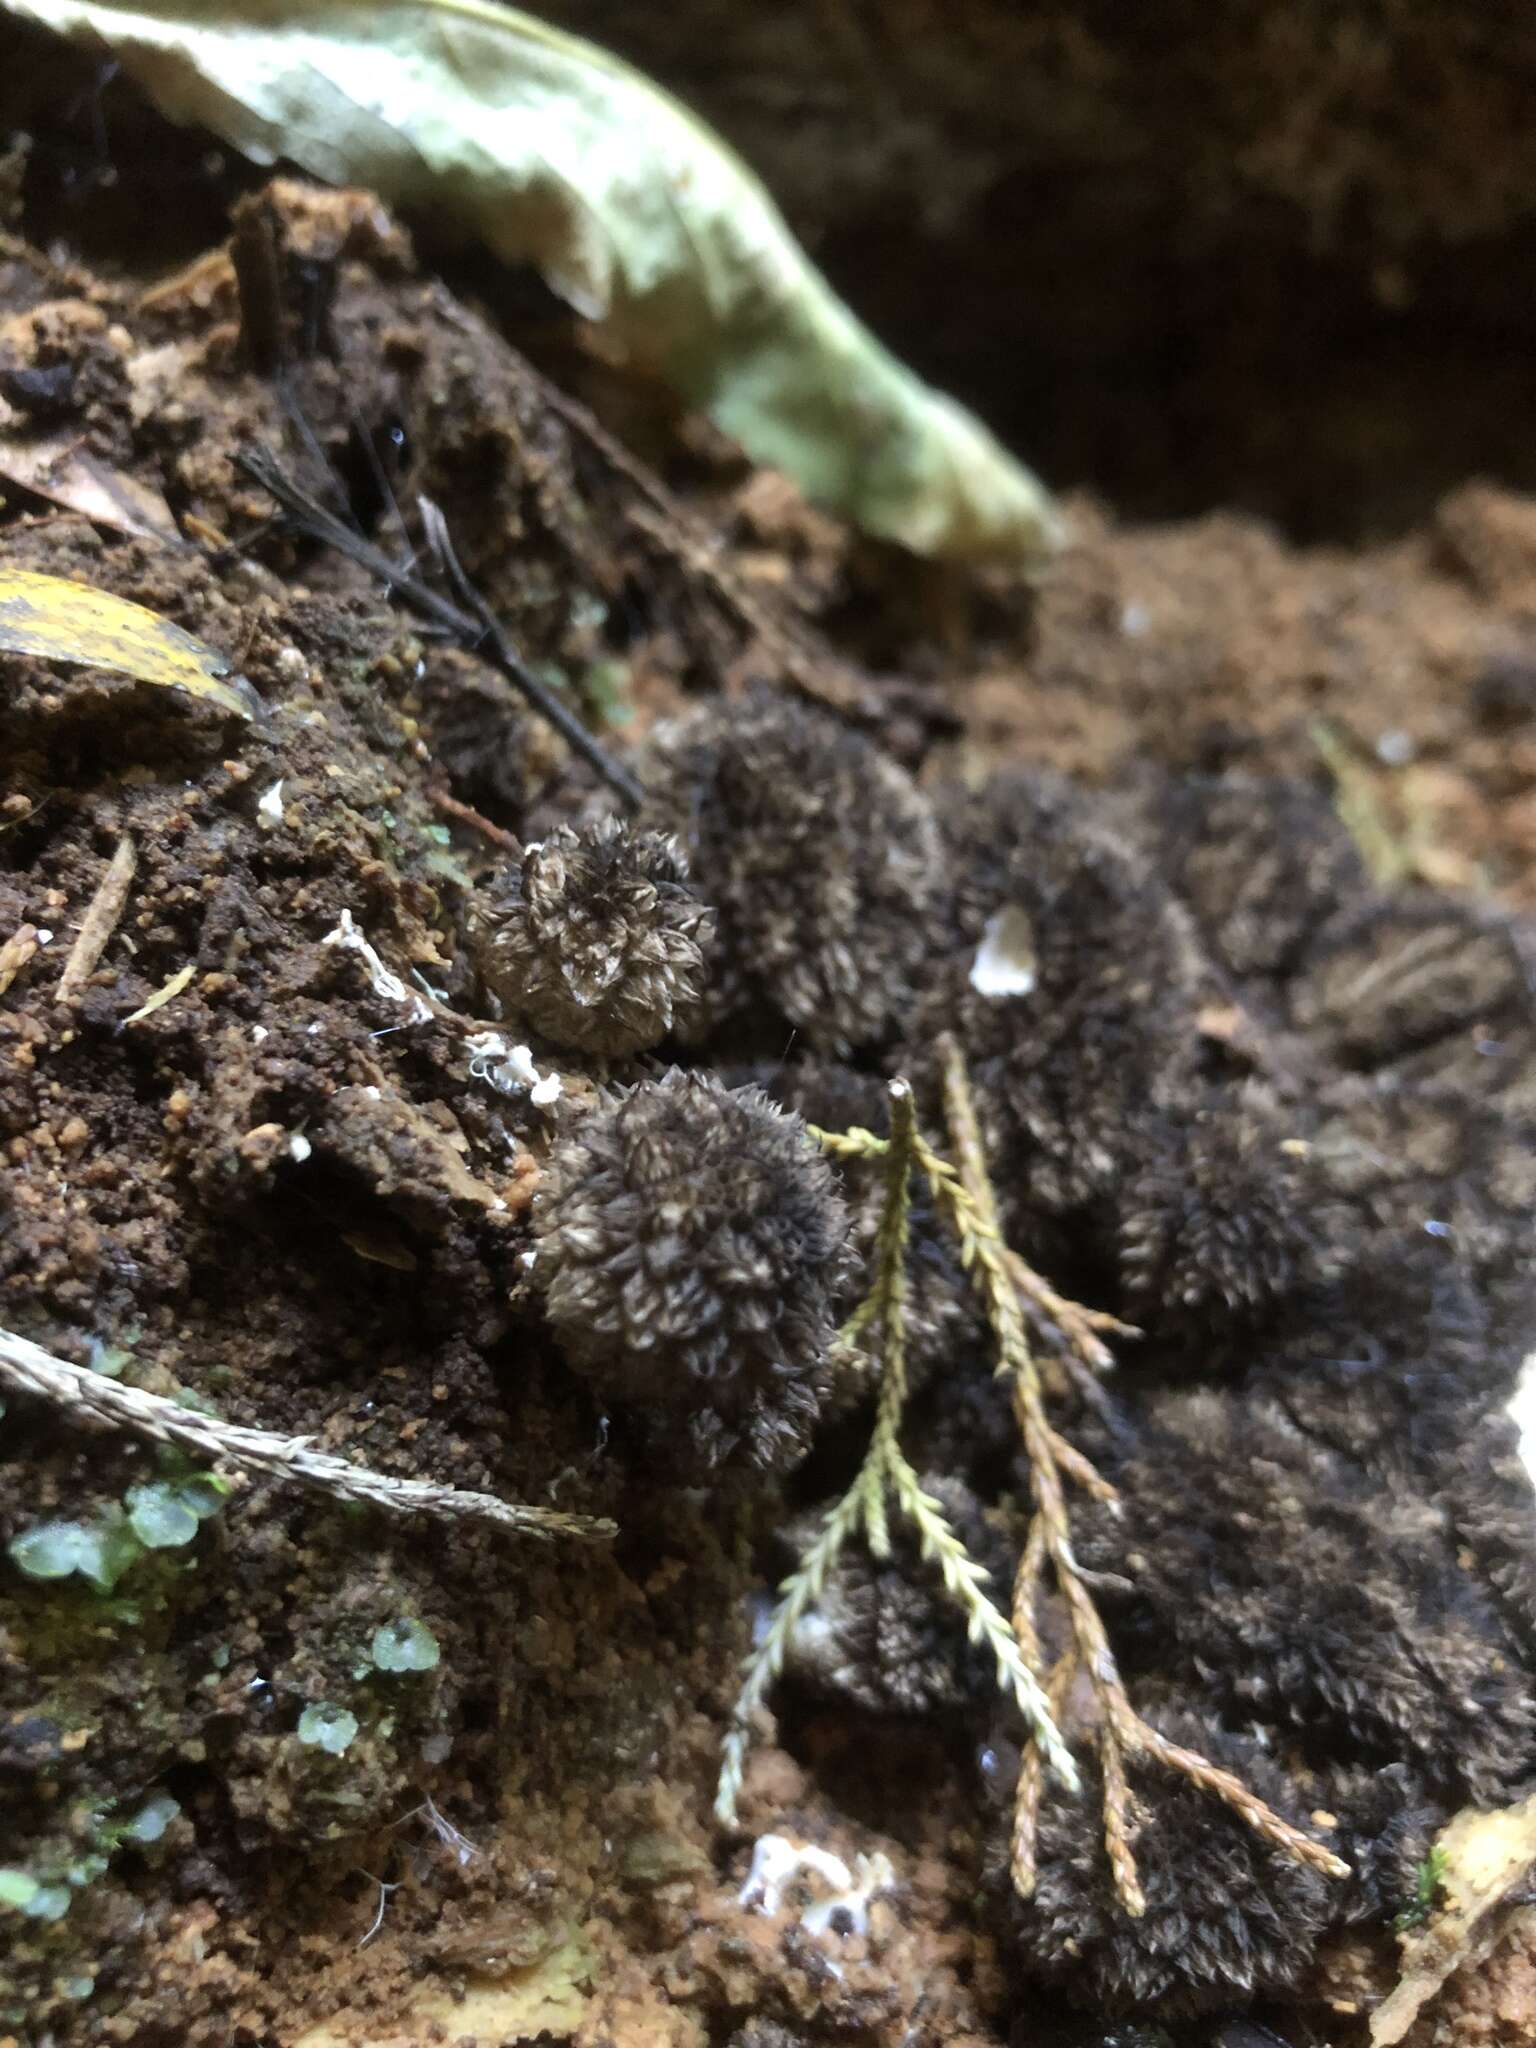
(507, 1068)
(847, 1912)
(381, 979)
(1396, 748)
(527, 1261)
(777, 1862)
(1522, 1408)
(290, 664)
(43, 936)
(271, 805)
(374, 1094)
(1005, 959)
(299, 1147)
(259, 1032)
(1134, 620)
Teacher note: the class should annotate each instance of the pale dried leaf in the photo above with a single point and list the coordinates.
(1486, 1856)
(59, 468)
(555, 152)
(546, 2001)
(165, 994)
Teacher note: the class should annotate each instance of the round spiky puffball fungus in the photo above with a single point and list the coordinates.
(597, 938)
(1228, 1917)
(821, 856)
(691, 1246)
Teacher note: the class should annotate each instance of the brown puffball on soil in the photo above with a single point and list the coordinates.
(1089, 1030)
(596, 938)
(883, 1635)
(1293, 1590)
(690, 1247)
(1228, 1916)
(819, 855)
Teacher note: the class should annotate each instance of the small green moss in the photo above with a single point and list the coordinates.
(327, 1727)
(18, 1888)
(152, 1818)
(160, 1518)
(405, 1645)
(606, 686)
(1429, 1882)
(100, 1551)
(166, 1514)
(50, 1550)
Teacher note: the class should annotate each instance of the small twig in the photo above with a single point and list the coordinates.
(1141, 1735)
(99, 922)
(466, 814)
(1360, 808)
(797, 1595)
(1083, 1328)
(1024, 1848)
(86, 1398)
(254, 252)
(481, 635)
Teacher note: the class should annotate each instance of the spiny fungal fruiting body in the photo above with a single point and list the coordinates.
(597, 938)
(820, 855)
(1227, 1915)
(691, 1246)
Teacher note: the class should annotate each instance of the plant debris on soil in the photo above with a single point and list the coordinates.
(402, 1091)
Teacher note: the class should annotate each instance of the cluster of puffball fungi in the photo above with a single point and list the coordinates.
(1230, 1091)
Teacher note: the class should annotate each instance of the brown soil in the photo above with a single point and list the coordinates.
(371, 1294)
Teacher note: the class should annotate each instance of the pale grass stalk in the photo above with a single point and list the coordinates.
(91, 1401)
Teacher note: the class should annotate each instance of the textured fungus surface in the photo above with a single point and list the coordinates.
(597, 940)
(820, 857)
(690, 1245)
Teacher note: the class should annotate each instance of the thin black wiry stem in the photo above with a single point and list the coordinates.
(478, 632)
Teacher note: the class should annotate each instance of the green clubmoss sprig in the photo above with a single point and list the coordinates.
(1013, 1295)
(1121, 1733)
(885, 1477)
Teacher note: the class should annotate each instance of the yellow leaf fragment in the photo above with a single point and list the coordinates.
(20, 948)
(544, 2001)
(61, 620)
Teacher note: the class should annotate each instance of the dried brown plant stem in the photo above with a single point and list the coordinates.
(1120, 1732)
(99, 922)
(93, 1402)
(449, 806)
